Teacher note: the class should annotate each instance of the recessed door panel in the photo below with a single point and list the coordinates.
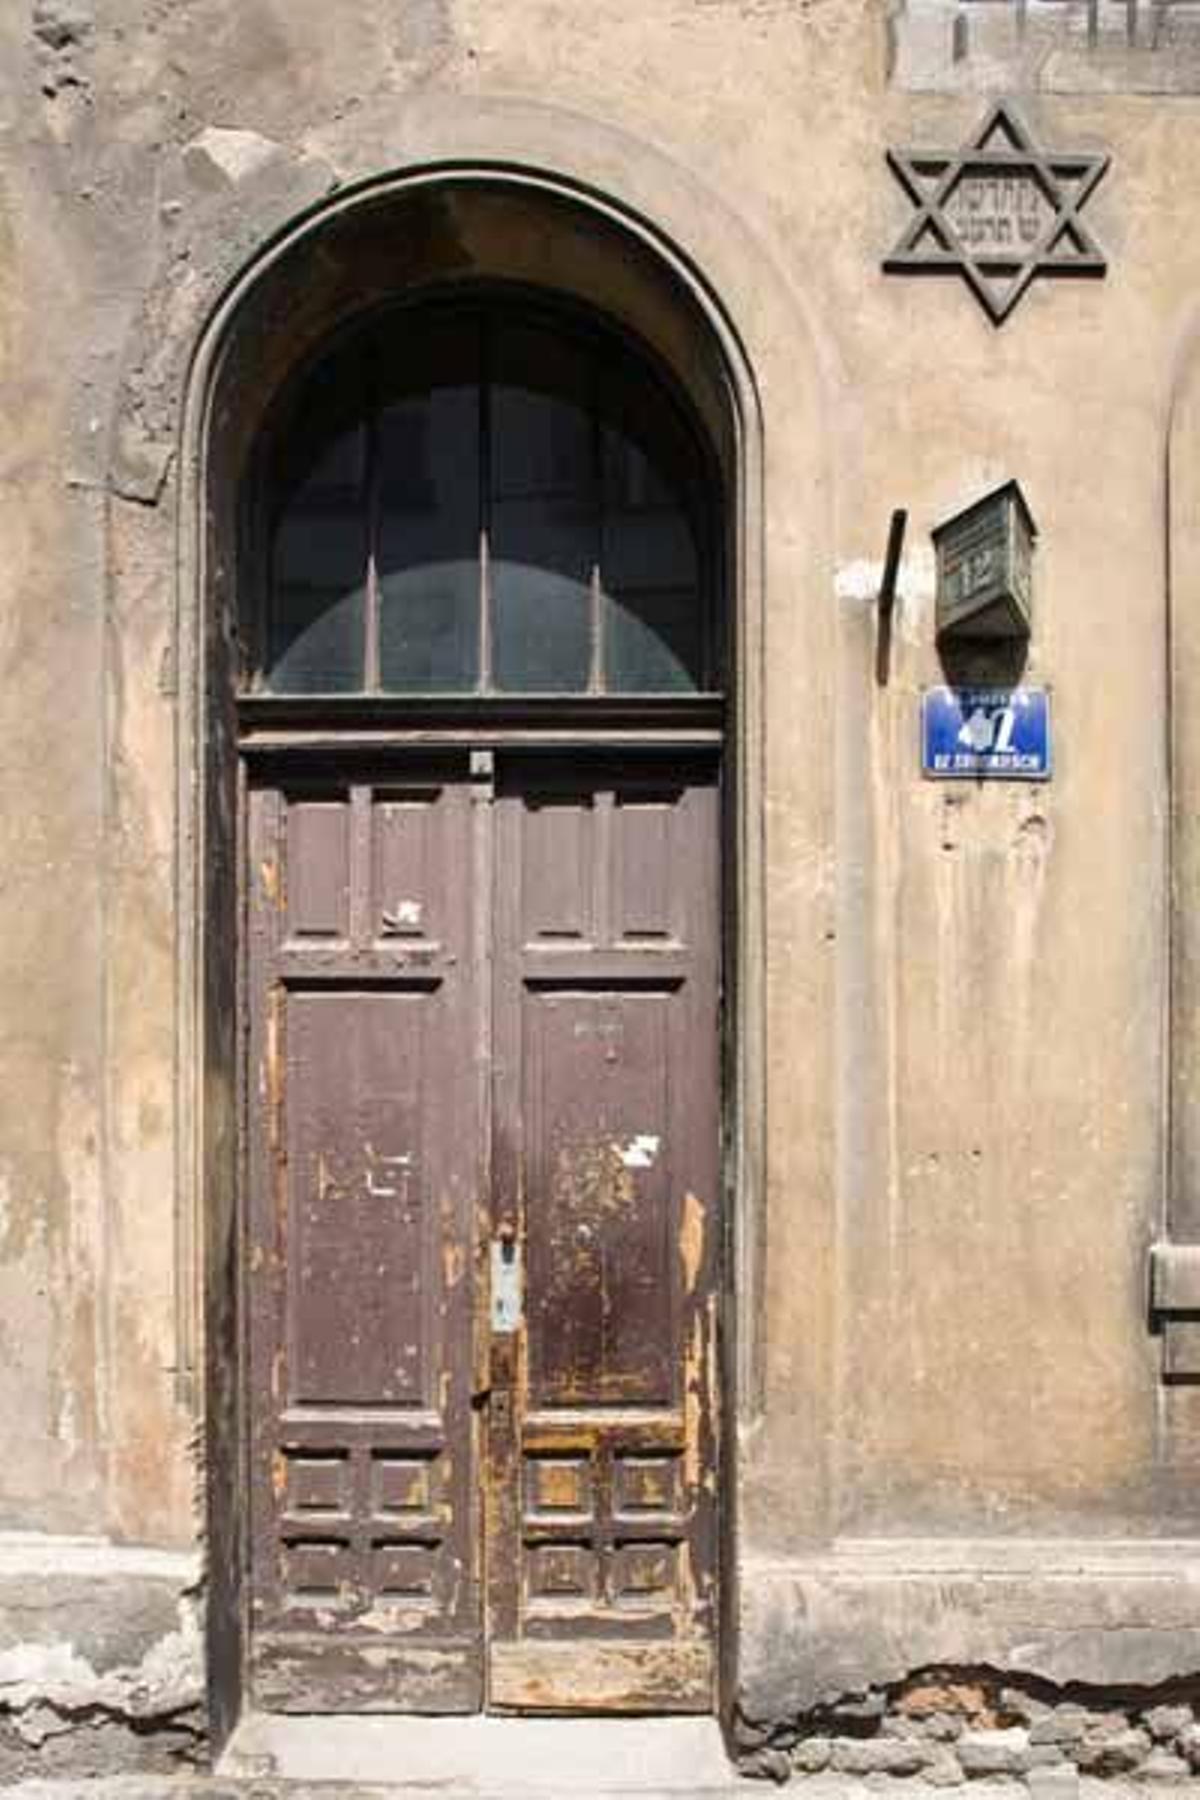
(358, 1190)
(600, 1252)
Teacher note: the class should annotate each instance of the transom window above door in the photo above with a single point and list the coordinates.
(487, 499)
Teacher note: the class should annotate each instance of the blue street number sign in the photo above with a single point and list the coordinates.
(991, 734)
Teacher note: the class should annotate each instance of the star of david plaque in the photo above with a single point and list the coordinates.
(999, 212)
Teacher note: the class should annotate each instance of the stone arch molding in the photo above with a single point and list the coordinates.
(1175, 1257)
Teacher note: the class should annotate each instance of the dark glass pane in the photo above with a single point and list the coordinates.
(318, 539)
(652, 642)
(649, 561)
(427, 551)
(544, 523)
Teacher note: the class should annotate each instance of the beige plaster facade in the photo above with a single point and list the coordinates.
(962, 1428)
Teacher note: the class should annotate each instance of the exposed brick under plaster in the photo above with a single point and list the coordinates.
(950, 1725)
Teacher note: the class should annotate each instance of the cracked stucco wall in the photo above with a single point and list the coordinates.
(101, 1667)
(966, 990)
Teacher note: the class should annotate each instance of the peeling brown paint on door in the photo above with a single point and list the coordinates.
(601, 1593)
(364, 1587)
(484, 1015)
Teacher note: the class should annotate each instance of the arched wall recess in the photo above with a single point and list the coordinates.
(444, 235)
(208, 333)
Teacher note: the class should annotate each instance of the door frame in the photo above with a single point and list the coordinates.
(282, 767)
(682, 309)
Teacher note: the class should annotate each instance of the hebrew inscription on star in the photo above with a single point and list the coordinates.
(999, 212)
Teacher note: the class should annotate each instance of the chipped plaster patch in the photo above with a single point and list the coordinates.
(169, 1676)
(857, 583)
(231, 154)
(162, 1670)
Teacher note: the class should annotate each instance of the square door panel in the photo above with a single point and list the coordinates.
(646, 1484)
(645, 1574)
(400, 1484)
(318, 1571)
(316, 1481)
(557, 1486)
(403, 1571)
(561, 1573)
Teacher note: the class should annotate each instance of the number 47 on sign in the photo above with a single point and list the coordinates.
(994, 734)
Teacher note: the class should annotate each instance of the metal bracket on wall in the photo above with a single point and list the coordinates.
(887, 595)
(1175, 1308)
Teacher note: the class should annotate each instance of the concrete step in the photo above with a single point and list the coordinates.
(575, 1783)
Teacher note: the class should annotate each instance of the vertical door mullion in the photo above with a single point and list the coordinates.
(506, 1365)
(597, 670)
(483, 851)
(363, 896)
(485, 510)
(374, 513)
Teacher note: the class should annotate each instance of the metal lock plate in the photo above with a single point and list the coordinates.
(507, 1285)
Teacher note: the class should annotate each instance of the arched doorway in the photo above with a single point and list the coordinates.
(480, 710)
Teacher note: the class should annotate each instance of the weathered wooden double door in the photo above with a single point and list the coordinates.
(482, 1231)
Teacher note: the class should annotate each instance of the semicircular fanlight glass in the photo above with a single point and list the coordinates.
(484, 500)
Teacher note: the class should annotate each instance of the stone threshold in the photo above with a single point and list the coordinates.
(486, 1754)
